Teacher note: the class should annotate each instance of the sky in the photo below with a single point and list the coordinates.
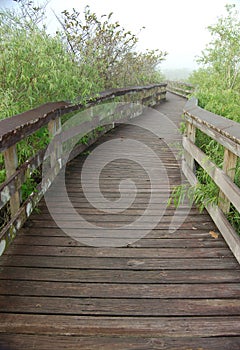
(176, 26)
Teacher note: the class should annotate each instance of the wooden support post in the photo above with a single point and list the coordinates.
(11, 164)
(191, 135)
(54, 127)
(229, 167)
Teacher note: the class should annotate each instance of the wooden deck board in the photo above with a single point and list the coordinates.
(68, 342)
(167, 290)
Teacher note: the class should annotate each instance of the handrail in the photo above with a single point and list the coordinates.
(227, 133)
(180, 88)
(18, 127)
(14, 129)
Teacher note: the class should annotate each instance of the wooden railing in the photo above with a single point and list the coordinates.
(227, 133)
(13, 130)
(180, 88)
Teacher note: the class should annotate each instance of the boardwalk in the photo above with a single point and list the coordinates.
(165, 291)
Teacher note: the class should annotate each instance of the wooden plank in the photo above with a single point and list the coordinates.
(154, 234)
(149, 252)
(114, 218)
(208, 224)
(125, 326)
(165, 276)
(28, 242)
(121, 263)
(124, 290)
(119, 307)
(49, 342)
(134, 210)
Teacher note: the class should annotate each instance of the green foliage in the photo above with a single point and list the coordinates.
(223, 52)
(30, 185)
(218, 80)
(27, 147)
(36, 69)
(203, 193)
(213, 97)
(218, 90)
(109, 48)
(90, 54)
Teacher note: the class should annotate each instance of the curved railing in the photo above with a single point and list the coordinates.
(19, 127)
(227, 133)
(180, 88)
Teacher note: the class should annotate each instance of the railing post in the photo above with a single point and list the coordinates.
(54, 127)
(191, 135)
(11, 164)
(229, 167)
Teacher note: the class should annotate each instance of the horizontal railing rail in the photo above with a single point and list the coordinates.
(19, 127)
(180, 88)
(227, 133)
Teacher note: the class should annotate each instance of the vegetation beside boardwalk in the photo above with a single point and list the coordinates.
(88, 54)
(217, 84)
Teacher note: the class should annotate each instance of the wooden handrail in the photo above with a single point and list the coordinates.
(227, 133)
(180, 88)
(17, 128)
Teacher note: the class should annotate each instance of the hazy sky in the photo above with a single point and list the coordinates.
(177, 26)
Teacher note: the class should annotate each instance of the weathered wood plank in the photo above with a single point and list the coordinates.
(119, 307)
(121, 263)
(48, 342)
(125, 326)
(155, 242)
(166, 276)
(124, 290)
(156, 234)
(211, 252)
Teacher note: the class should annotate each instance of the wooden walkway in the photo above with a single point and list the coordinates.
(166, 291)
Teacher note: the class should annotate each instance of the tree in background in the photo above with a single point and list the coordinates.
(109, 48)
(87, 55)
(218, 80)
(35, 66)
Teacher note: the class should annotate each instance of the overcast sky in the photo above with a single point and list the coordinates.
(177, 26)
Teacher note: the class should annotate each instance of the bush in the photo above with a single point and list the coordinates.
(218, 90)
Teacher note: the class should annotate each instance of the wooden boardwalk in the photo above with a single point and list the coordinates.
(165, 291)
